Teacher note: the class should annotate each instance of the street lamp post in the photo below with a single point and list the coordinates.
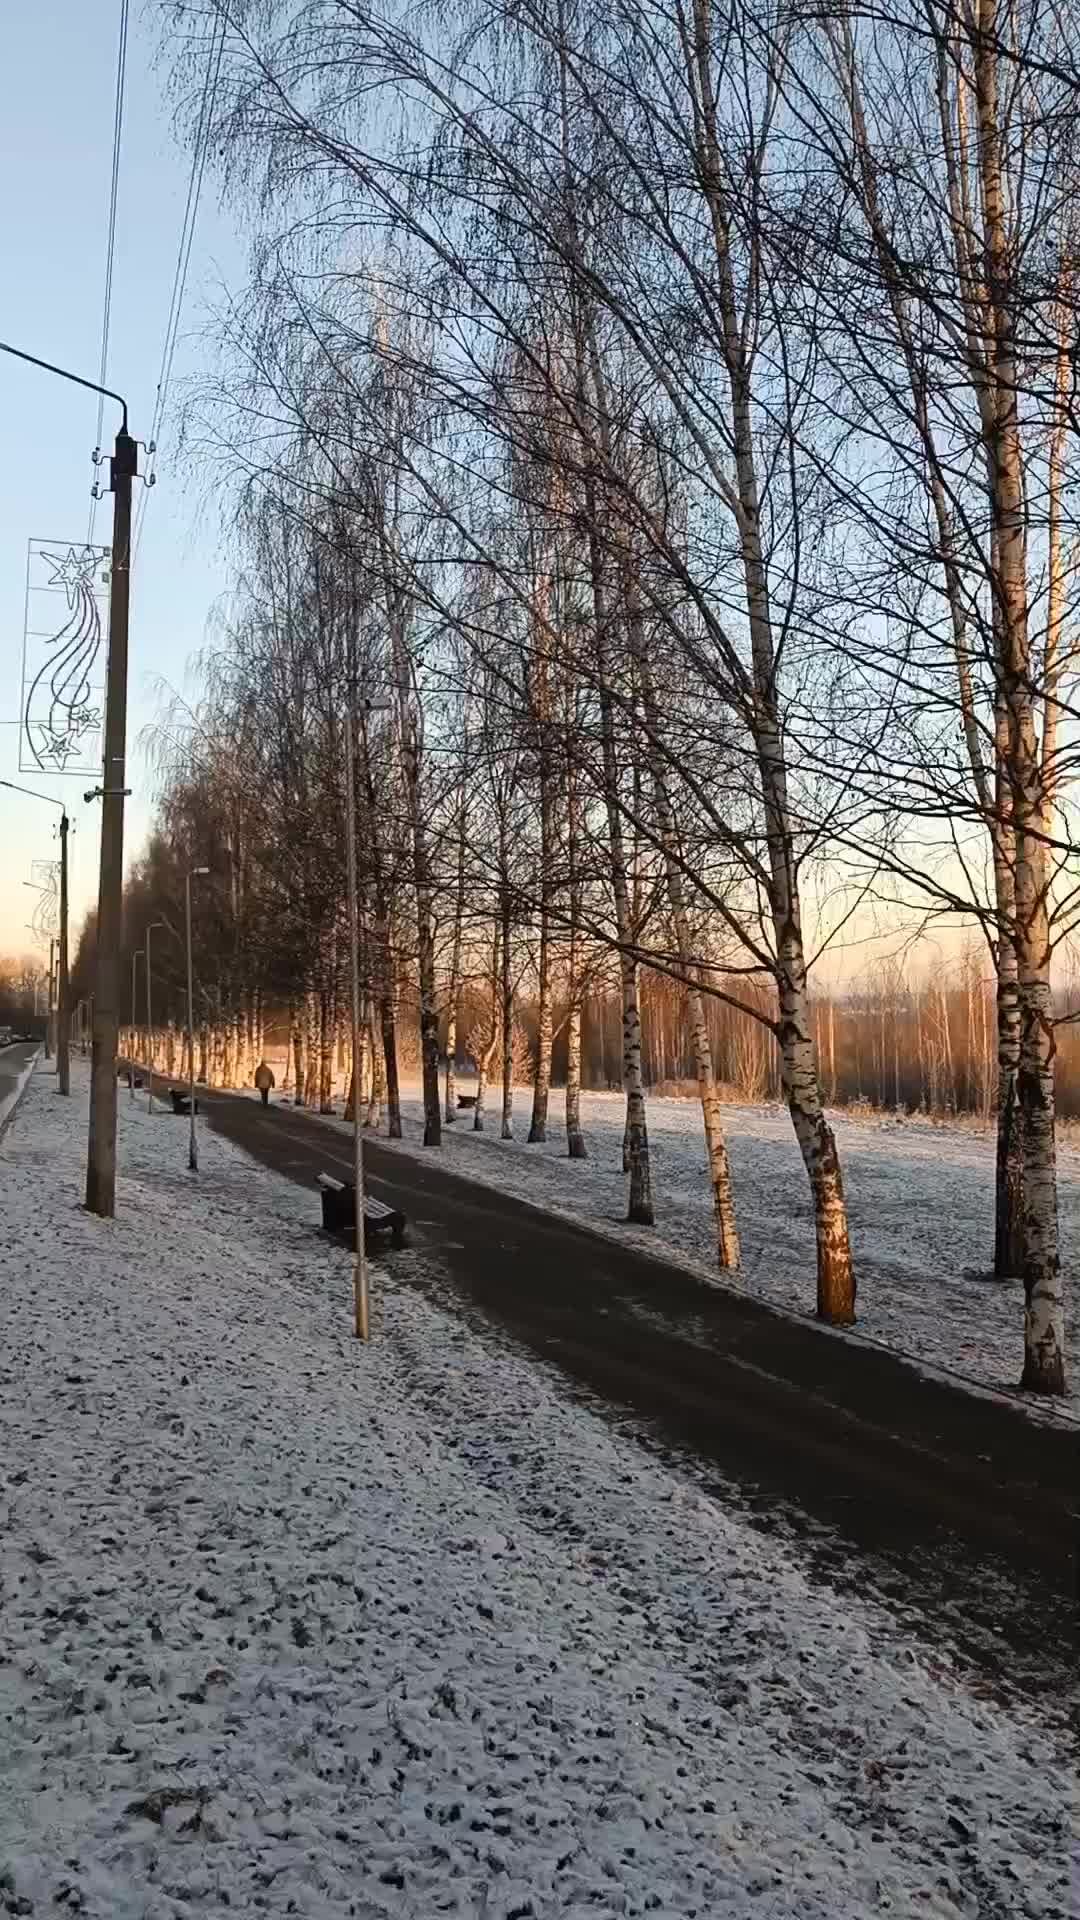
(63, 985)
(149, 1022)
(193, 1146)
(101, 1137)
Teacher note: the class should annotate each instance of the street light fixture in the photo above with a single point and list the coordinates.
(193, 1146)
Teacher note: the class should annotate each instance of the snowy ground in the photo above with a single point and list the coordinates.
(920, 1196)
(293, 1626)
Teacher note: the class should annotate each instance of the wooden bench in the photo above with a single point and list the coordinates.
(466, 1100)
(181, 1100)
(339, 1213)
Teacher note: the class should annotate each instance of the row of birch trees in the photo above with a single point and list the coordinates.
(661, 420)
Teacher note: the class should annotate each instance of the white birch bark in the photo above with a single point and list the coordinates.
(1044, 1317)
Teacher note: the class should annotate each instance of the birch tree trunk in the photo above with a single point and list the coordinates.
(388, 1021)
(575, 1139)
(326, 1052)
(409, 722)
(297, 1037)
(378, 1078)
(1009, 1167)
(636, 1148)
(727, 1233)
(798, 1067)
(1044, 1317)
(453, 992)
(541, 701)
(311, 1049)
(490, 1049)
(507, 1018)
(228, 1053)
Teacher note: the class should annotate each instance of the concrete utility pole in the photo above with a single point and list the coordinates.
(101, 1143)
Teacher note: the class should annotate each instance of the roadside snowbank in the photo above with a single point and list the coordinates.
(294, 1626)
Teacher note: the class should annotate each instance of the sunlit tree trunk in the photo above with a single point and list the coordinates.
(727, 1233)
(640, 1205)
(378, 1077)
(575, 1138)
(507, 1013)
(541, 704)
(798, 1066)
(326, 1052)
(297, 1038)
(453, 991)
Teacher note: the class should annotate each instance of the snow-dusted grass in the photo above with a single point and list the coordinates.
(294, 1626)
(921, 1200)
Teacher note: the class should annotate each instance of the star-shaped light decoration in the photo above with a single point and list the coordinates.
(57, 747)
(73, 569)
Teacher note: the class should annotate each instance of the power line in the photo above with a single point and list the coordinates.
(110, 242)
(183, 256)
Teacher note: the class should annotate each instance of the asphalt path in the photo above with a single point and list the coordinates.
(959, 1500)
(13, 1060)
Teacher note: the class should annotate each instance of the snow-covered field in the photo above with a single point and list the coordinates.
(921, 1202)
(289, 1625)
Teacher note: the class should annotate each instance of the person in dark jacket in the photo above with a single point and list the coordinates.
(264, 1080)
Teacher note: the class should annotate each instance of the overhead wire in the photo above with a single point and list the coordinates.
(183, 260)
(110, 238)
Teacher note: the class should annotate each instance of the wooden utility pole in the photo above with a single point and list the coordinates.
(63, 1017)
(101, 1144)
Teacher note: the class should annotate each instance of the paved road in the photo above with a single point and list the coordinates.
(961, 1507)
(12, 1062)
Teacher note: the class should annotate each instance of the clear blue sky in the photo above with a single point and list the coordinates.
(55, 154)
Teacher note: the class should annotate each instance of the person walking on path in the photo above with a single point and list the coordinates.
(264, 1080)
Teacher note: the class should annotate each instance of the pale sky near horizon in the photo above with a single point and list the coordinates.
(55, 158)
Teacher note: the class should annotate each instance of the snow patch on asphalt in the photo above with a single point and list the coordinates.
(274, 1640)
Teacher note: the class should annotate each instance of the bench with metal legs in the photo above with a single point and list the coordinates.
(339, 1212)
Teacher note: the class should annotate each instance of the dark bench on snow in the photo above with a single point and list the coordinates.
(466, 1100)
(181, 1100)
(339, 1213)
